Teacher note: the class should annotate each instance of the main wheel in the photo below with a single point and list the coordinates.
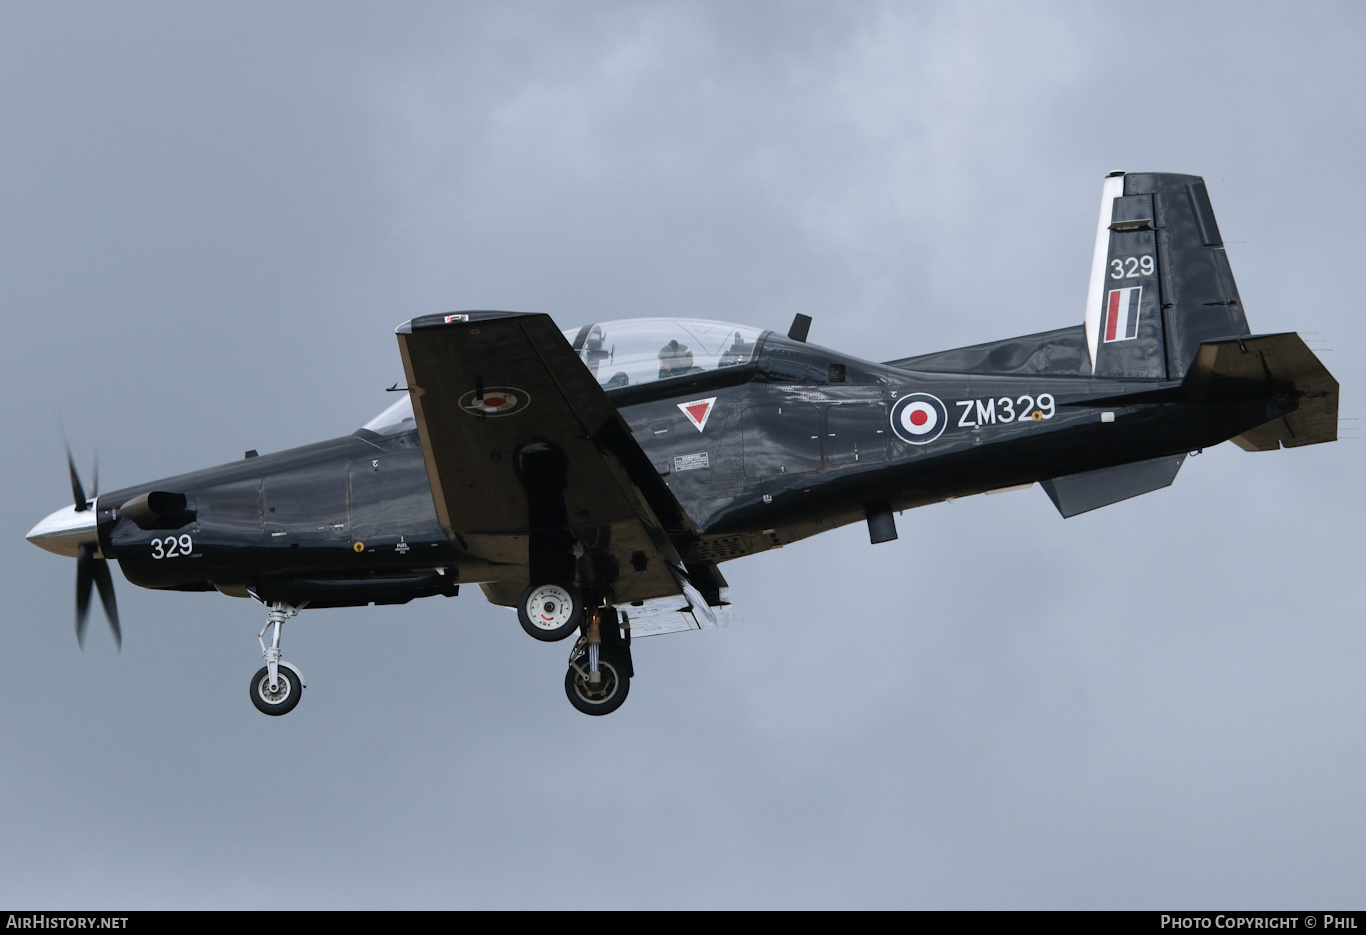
(286, 696)
(550, 612)
(603, 698)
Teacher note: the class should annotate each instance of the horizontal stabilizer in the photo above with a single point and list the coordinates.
(1273, 365)
(1090, 490)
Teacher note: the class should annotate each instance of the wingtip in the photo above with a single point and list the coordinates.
(423, 322)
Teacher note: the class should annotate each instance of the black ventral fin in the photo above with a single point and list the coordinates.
(1090, 490)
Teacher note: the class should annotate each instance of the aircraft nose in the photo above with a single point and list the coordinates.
(63, 531)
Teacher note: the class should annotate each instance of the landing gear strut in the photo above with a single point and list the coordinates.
(600, 669)
(278, 686)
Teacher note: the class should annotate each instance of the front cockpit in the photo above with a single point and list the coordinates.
(634, 351)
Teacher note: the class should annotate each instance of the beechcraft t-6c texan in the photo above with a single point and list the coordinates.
(595, 478)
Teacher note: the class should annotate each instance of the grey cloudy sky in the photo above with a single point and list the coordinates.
(212, 216)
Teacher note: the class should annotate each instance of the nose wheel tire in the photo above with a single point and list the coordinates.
(602, 698)
(550, 612)
(289, 689)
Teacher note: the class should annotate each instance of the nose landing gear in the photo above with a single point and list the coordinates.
(283, 697)
(278, 686)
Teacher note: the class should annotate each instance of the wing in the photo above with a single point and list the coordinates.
(532, 469)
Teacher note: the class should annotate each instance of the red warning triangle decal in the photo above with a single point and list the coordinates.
(698, 411)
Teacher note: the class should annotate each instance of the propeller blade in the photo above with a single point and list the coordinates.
(77, 493)
(94, 571)
(85, 577)
(105, 583)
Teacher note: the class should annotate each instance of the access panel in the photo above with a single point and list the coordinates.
(855, 433)
(781, 438)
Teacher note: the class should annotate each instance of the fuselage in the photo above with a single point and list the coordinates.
(595, 478)
(792, 441)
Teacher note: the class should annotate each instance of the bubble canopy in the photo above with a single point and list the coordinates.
(643, 350)
(630, 352)
(396, 418)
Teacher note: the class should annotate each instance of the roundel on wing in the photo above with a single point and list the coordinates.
(919, 418)
(495, 401)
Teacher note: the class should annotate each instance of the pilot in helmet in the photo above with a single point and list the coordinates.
(674, 360)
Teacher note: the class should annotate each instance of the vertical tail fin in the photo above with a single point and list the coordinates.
(1160, 280)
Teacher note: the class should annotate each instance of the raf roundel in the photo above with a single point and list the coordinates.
(919, 418)
(495, 401)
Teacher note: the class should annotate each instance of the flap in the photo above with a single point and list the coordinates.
(673, 615)
(520, 441)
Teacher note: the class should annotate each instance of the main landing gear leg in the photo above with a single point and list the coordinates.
(600, 670)
(278, 686)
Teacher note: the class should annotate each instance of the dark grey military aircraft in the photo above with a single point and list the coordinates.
(596, 478)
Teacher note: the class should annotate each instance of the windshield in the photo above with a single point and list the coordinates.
(643, 350)
(397, 418)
